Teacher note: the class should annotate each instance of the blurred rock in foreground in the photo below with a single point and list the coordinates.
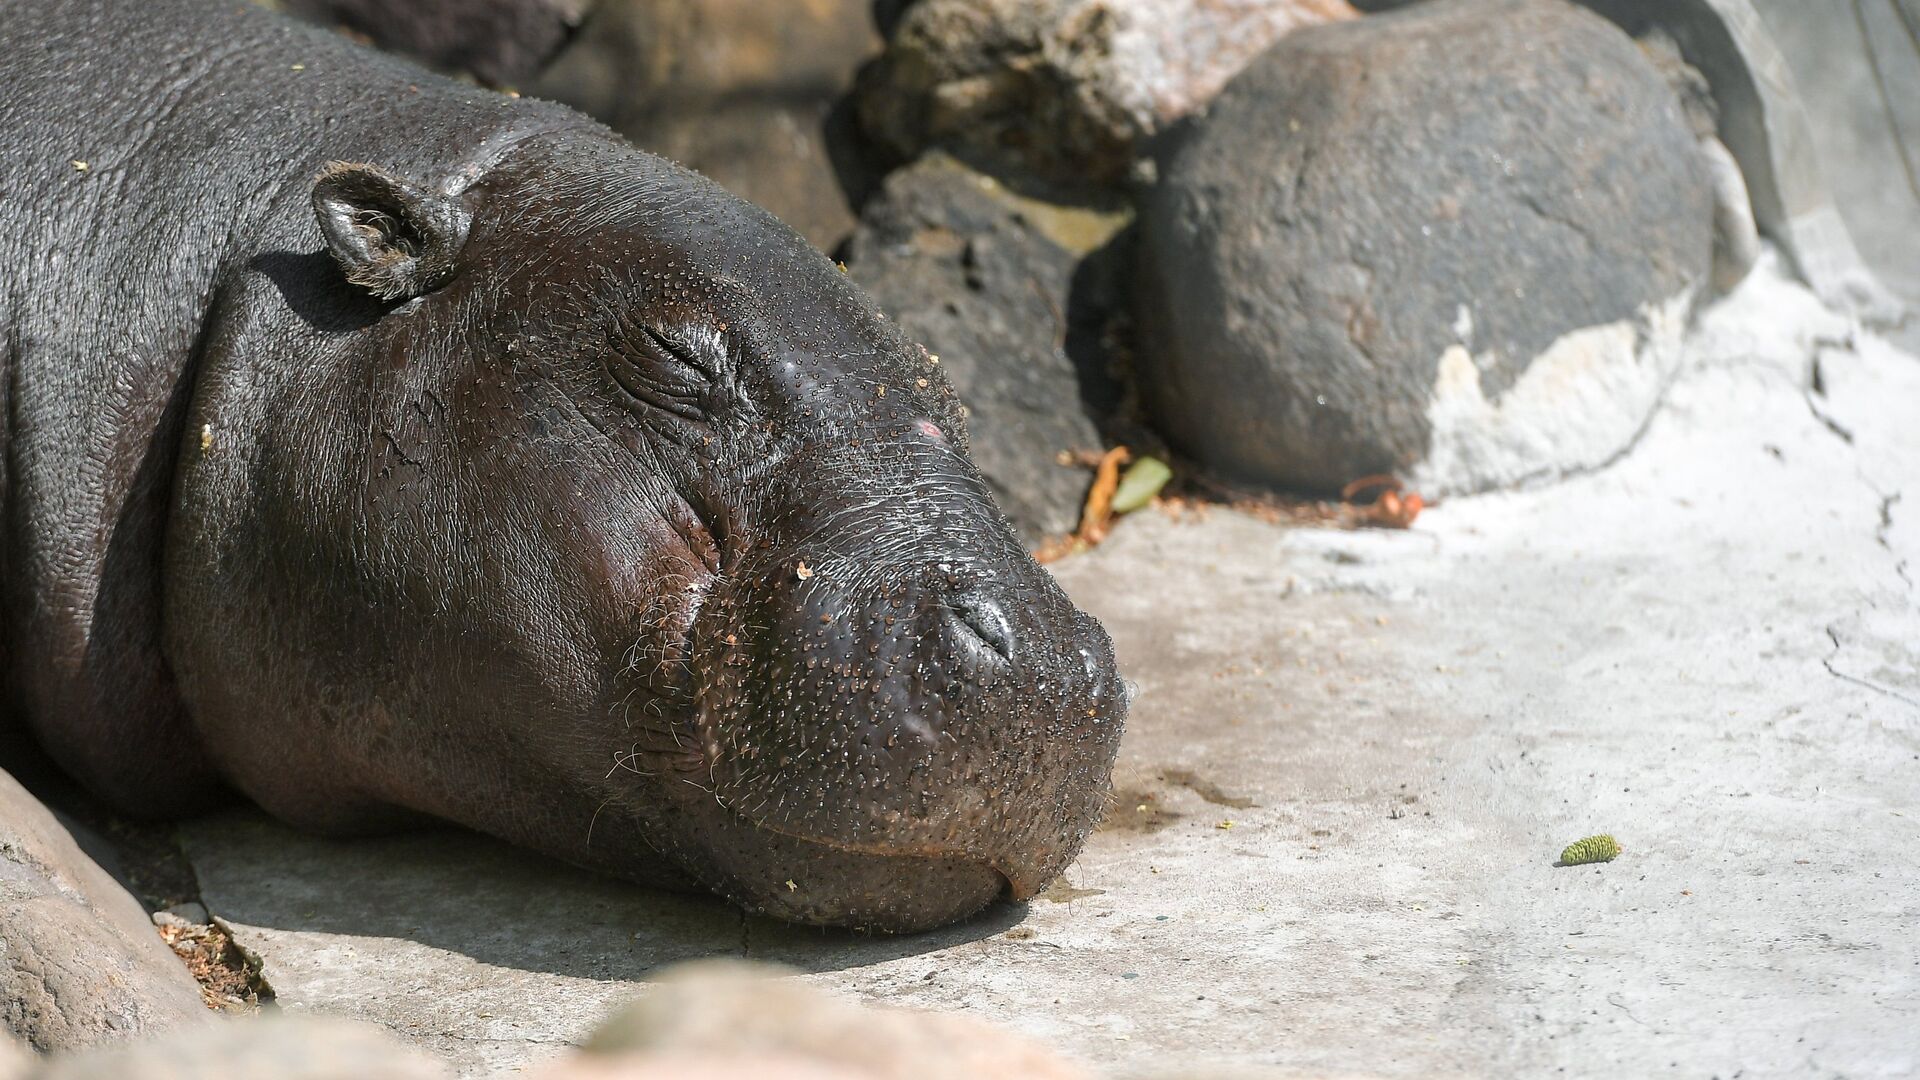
(737, 1018)
(708, 1020)
(270, 1047)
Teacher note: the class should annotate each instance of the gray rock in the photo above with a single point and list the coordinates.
(268, 1047)
(740, 90)
(79, 961)
(1062, 89)
(994, 285)
(1374, 256)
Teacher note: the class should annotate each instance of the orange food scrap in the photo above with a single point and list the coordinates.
(1391, 508)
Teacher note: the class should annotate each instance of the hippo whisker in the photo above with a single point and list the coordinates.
(595, 819)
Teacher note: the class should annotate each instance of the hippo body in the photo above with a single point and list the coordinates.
(389, 450)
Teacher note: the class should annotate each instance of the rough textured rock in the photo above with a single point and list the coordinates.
(1063, 89)
(995, 285)
(720, 1009)
(1361, 258)
(79, 961)
(501, 42)
(267, 1047)
(740, 90)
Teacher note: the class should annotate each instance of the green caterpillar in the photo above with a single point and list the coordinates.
(1593, 849)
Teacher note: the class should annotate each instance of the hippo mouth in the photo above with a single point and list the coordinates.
(1016, 883)
(900, 844)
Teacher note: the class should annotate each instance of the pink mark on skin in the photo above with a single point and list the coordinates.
(928, 428)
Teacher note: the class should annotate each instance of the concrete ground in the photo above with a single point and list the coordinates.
(1353, 759)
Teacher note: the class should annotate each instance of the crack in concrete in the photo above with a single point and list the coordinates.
(1880, 535)
(1827, 662)
(1883, 525)
(1835, 426)
(1817, 387)
(530, 1041)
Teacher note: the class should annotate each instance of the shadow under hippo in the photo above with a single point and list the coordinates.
(389, 450)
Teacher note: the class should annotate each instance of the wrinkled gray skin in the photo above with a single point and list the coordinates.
(509, 476)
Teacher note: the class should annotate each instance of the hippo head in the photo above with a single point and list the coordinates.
(602, 514)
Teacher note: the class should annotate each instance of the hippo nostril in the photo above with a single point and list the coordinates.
(1008, 890)
(985, 620)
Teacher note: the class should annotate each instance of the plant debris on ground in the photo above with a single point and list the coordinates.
(228, 975)
(1380, 502)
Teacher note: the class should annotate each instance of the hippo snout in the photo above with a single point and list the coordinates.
(921, 739)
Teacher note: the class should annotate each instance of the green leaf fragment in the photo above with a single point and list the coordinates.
(1593, 849)
(1140, 483)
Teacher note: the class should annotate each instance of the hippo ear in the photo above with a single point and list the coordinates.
(392, 238)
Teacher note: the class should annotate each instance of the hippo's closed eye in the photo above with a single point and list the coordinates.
(677, 347)
(669, 369)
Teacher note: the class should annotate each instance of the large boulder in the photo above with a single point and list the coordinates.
(1062, 89)
(80, 962)
(1002, 289)
(1456, 242)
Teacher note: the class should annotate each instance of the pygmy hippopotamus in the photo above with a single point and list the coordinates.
(388, 450)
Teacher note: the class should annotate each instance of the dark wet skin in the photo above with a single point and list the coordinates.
(507, 476)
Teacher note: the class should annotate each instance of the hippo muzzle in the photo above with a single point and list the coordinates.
(900, 714)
